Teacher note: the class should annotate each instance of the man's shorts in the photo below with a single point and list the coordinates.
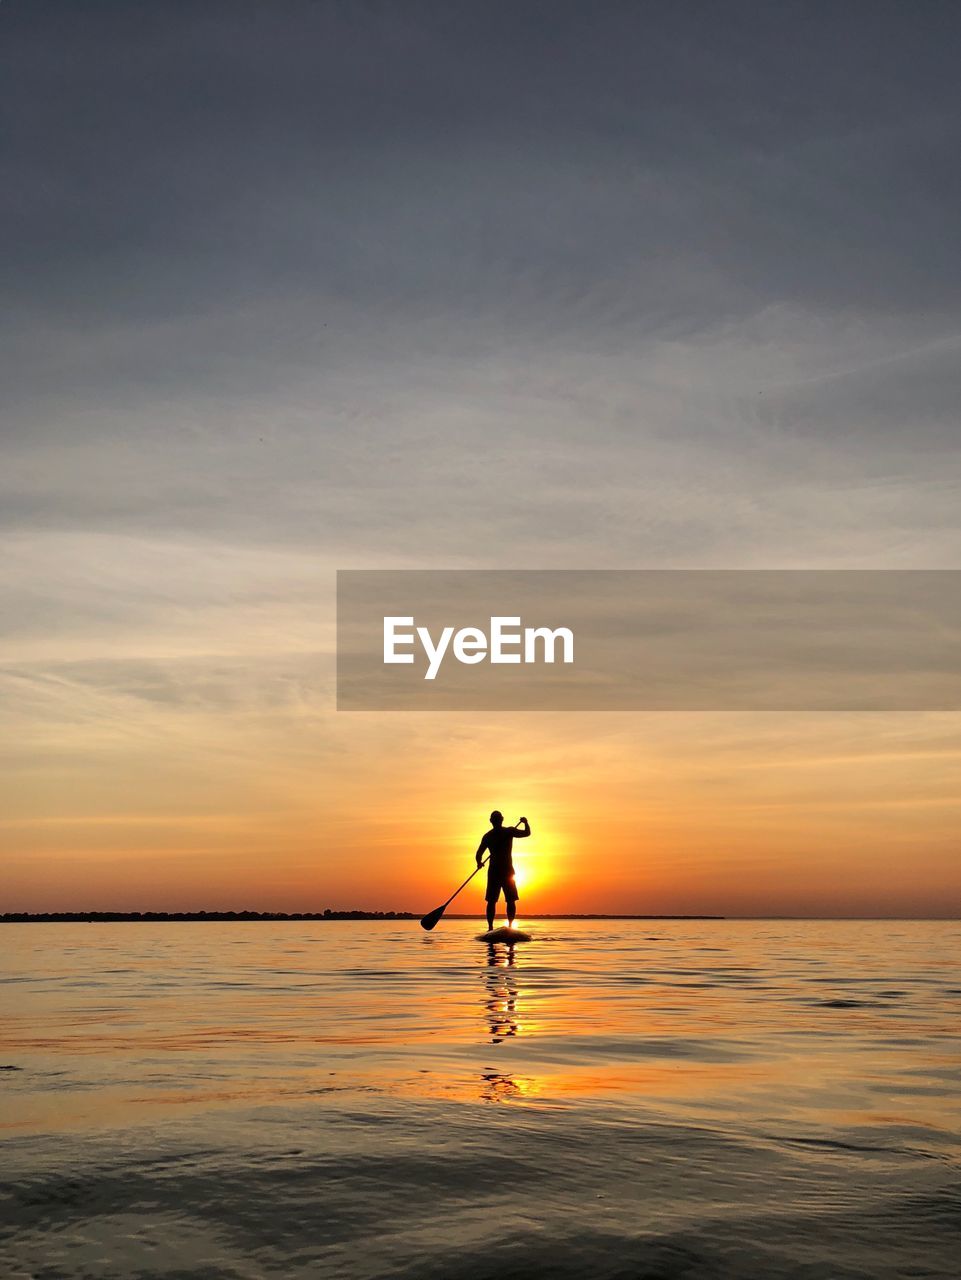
(496, 882)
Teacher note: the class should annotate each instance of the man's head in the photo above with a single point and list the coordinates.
(497, 818)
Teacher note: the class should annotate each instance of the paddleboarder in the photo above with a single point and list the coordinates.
(498, 844)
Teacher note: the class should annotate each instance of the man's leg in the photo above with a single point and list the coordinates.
(511, 910)
(491, 908)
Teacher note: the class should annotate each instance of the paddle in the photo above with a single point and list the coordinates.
(428, 921)
(432, 917)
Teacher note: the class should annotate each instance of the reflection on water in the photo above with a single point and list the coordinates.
(709, 1099)
(500, 1006)
(499, 1088)
(501, 991)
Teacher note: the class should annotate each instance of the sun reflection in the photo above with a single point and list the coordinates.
(501, 993)
(499, 1087)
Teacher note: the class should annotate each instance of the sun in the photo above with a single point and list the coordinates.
(531, 873)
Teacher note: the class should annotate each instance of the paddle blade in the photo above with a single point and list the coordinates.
(432, 917)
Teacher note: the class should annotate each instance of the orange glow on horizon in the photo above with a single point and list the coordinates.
(679, 814)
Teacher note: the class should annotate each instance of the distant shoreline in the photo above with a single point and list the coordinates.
(218, 917)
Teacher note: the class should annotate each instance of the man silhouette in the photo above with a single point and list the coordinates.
(498, 843)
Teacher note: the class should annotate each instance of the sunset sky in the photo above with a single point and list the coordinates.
(303, 287)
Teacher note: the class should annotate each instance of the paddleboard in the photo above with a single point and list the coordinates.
(504, 934)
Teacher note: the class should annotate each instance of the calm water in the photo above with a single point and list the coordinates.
(638, 1099)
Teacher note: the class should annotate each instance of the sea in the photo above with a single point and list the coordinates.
(643, 1099)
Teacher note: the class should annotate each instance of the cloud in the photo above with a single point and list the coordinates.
(293, 288)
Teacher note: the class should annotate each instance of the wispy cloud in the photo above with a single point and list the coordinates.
(442, 285)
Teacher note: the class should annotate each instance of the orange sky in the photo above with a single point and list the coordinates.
(301, 808)
(314, 287)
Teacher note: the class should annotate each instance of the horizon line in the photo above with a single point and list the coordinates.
(328, 914)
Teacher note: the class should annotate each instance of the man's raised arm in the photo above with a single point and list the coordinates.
(522, 822)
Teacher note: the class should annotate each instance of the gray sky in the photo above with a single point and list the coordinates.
(595, 284)
(298, 286)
